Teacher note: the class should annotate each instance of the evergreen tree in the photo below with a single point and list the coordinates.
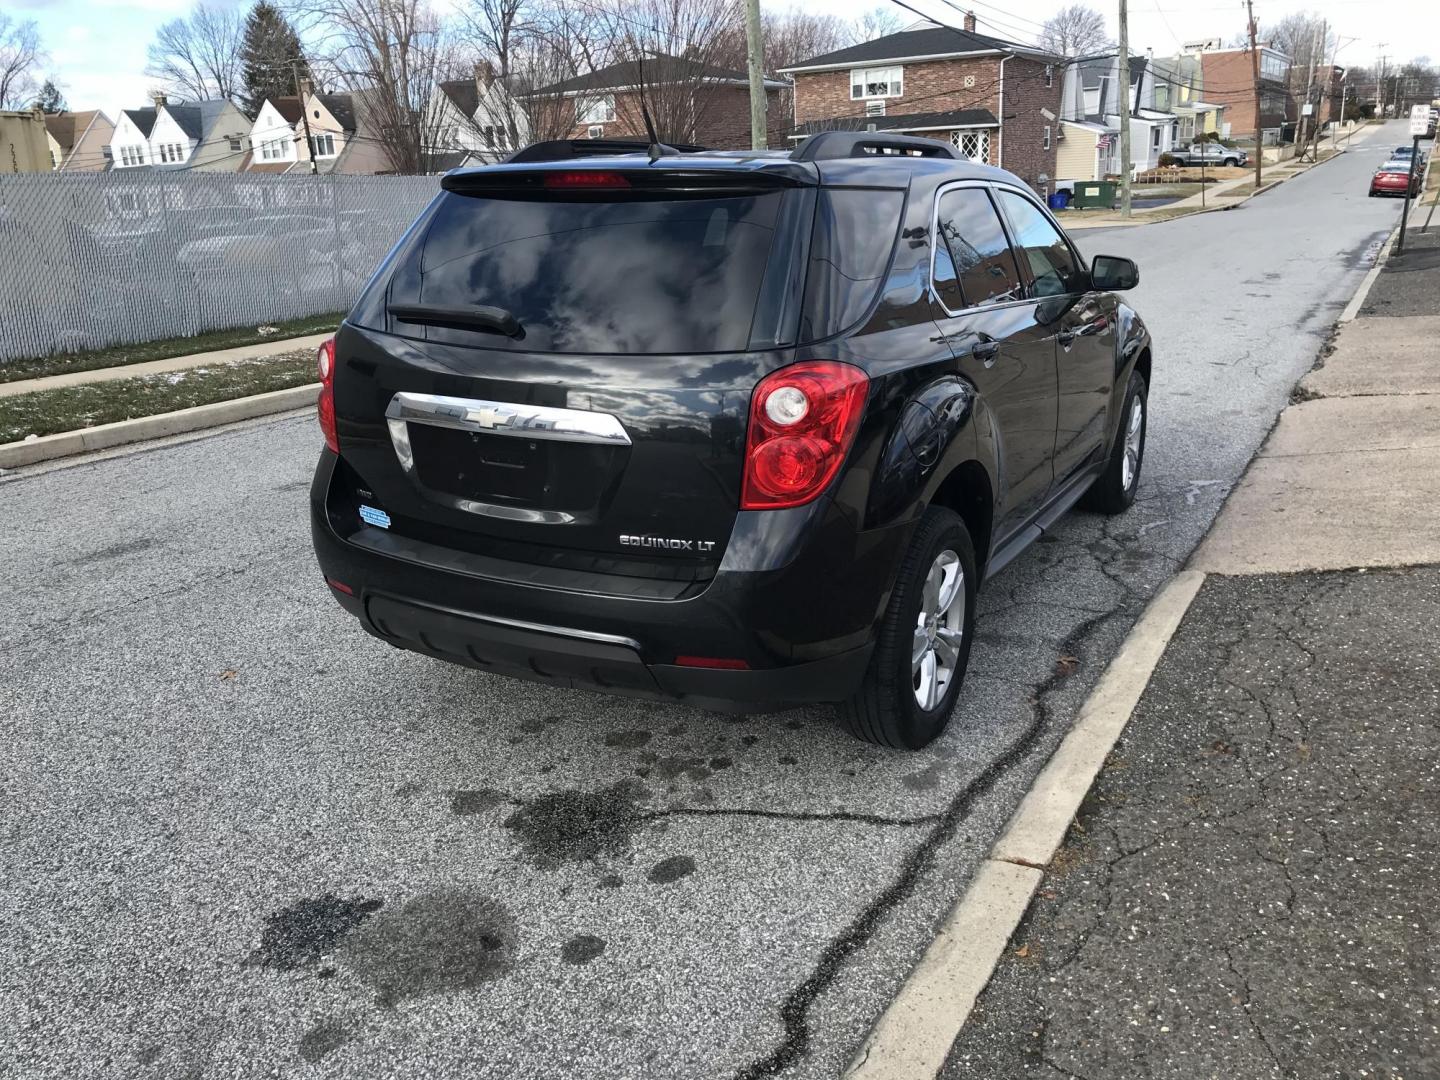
(270, 46)
(50, 99)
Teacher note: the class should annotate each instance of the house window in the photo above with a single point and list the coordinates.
(1162, 96)
(131, 155)
(1049, 74)
(273, 150)
(488, 134)
(599, 110)
(1047, 136)
(876, 82)
(322, 146)
(234, 145)
(973, 145)
(874, 108)
(1155, 137)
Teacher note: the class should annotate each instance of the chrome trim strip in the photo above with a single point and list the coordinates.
(496, 418)
(545, 628)
(507, 418)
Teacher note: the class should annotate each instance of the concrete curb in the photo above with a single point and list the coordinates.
(217, 357)
(913, 1037)
(1352, 309)
(66, 443)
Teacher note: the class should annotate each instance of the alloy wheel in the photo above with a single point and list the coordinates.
(1134, 432)
(939, 627)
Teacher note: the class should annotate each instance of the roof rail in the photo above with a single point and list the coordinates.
(562, 149)
(828, 145)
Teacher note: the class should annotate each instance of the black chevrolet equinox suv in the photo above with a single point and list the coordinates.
(743, 430)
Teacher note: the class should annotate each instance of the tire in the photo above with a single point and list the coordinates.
(887, 709)
(1114, 489)
(1231, 163)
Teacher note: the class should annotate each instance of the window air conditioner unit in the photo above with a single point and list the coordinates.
(874, 108)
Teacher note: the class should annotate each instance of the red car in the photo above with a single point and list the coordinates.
(1391, 178)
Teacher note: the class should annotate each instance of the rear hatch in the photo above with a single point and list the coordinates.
(555, 366)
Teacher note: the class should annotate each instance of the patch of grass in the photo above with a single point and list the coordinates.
(121, 355)
(46, 412)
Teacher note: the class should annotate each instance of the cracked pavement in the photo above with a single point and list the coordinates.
(1248, 889)
(205, 764)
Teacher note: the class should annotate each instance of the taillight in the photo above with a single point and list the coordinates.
(802, 422)
(325, 404)
(587, 179)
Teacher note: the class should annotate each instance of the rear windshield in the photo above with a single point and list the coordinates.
(648, 276)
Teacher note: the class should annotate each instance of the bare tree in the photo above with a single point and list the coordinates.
(875, 23)
(1076, 30)
(198, 57)
(391, 55)
(672, 48)
(21, 55)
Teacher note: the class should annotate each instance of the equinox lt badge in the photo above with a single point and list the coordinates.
(664, 542)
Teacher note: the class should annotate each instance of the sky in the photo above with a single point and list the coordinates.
(98, 46)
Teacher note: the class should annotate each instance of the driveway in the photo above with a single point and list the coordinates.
(242, 839)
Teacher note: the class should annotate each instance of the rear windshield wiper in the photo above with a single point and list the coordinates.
(471, 317)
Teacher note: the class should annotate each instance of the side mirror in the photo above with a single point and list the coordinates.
(1112, 273)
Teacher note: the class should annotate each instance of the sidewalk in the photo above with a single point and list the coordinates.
(1249, 889)
(1217, 196)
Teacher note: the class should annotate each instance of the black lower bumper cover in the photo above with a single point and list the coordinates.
(540, 655)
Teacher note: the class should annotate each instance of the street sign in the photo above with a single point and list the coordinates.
(1419, 121)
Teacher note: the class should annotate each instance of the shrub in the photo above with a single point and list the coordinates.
(1168, 160)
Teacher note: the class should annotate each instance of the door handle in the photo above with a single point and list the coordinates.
(1066, 338)
(986, 350)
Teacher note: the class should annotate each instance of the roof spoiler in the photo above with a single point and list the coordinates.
(563, 149)
(829, 145)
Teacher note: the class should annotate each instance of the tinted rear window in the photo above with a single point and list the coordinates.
(651, 276)
(849, 254)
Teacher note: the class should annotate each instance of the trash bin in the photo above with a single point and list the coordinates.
(1060, 200)
(1092, 194)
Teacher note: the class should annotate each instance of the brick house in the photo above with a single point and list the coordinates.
(996, 101)
(689, 102)
(1227, 75)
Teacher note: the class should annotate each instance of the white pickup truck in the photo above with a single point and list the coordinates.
(1210, 153)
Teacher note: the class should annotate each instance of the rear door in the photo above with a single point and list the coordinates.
(1081, 322)
(1001, 346)
(571, 369)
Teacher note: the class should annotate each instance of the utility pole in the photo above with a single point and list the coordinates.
(304, 116)
(1308, 123)
(1379, 79)
(1124, 83)
(1255, 71)
(755, 60)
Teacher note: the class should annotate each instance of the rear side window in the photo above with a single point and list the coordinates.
(1052, 264)
(849, 255)
(974, 265)
(638, 276)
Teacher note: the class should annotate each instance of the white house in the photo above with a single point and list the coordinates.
(209, 135)
(130, 144)
(470, 122)
(276, 135)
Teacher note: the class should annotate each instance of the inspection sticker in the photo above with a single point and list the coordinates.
(371, 516)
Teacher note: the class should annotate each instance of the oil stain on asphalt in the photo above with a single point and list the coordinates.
(579, 826)
(671, 869)
(475, 801)
(628, 740)
(322, 1040)
(299, 935)
(447, 940)
(582, 948)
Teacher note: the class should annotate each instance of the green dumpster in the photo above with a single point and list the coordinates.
(1094, 194)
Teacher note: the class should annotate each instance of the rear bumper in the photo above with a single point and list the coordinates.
(804, 631)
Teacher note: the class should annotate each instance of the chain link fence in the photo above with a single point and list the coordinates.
(93, 260)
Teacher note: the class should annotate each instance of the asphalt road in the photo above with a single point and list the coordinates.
(241, 838)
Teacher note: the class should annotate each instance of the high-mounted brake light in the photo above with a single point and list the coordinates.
(325, 404)
(803, 419)
(586, 180)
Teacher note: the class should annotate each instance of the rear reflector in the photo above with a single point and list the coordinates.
(588, 180)
(339, 586)
(723, 662)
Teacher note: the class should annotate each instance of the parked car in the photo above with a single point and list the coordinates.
(742, 430)
(1210, 153)
(1394, 177)
(1405, 153)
